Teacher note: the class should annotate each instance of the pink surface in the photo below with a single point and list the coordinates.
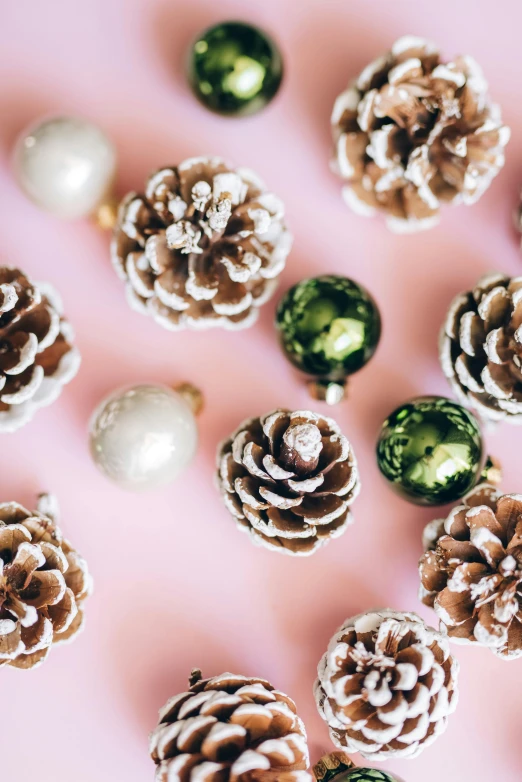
(176, 585)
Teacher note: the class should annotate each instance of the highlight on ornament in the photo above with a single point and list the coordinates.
(481, 348)
(471, 573)
(235, 68)
(202, 246)
(143, 437)
(289, 479)
(329, 327)
(44, 583)
(386, 686)
(228, 726)
(37, 354)
(66, 165)
(431, 451)
(414, 132)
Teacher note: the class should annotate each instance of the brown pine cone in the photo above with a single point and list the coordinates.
(386, 685)
(203, 246)
(471, 573)
(43, 583)
(481, 348)
(230, 729)
(413, 133)
(36, 353)
(289, 479)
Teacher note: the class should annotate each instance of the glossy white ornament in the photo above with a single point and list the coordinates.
(143, 437)
(66, 165)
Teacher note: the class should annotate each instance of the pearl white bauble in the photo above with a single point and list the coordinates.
(142, 437)
(66, 166)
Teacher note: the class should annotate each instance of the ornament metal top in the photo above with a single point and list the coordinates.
(235, 69)
(431, 451)
(329, 327)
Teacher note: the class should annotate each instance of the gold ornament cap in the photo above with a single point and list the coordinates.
(331, 765)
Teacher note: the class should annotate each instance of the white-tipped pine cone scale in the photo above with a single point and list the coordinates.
(230, 728)
(43, 584)
(413, 133)
(289, 478)
(481, 348)
(203, 246)
(471, 573)
(386, 685)
(37, 357)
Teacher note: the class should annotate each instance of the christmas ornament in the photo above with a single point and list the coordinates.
(228, 728)
(43, 584)
(413, 133)
(430, 450)
(329, 327)
(37, 357)
(337, 767)
(203, 246)
(481, 348)
(386, 685)
(471, 573)
(65, 165)
(289, 480)
(144, 436)
(235, 68)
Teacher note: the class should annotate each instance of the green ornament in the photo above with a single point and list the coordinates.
(367, 775)
(431, 451)
(329, 327)
(235, 68)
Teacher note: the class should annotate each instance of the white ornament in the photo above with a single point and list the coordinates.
(66, 166)
(144, 436)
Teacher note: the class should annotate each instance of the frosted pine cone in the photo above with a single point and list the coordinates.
(413, 133)
(289, 479)
(471, 573)
(203, 246)
(36, 353)
(481, 348)
(43, 583)
(230, 729)
(386, 685)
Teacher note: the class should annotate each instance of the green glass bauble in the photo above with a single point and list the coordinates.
(431, 451)
(235, 68)
(367, 775)
(329, 327)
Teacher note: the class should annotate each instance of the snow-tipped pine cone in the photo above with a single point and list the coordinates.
(43, 583)
(203, 246)
(386, 685)
(481, 348)
(36, 353)
(230, 728)
(471, 573)
(289, 479)
(413, 132)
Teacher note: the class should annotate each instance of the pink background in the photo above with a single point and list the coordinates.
(176, 585)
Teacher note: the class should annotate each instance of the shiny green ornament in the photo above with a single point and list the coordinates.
(367, 775)
(329, 327)
(235, 68)
(431, 451)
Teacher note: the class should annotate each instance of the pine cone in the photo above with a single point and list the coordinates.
(481, 348)
(230, 729)
(471, 573)
(36, 353)
(202, 247)
(386, 685)
(289, 479)
(43, 583)
(413, 132)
